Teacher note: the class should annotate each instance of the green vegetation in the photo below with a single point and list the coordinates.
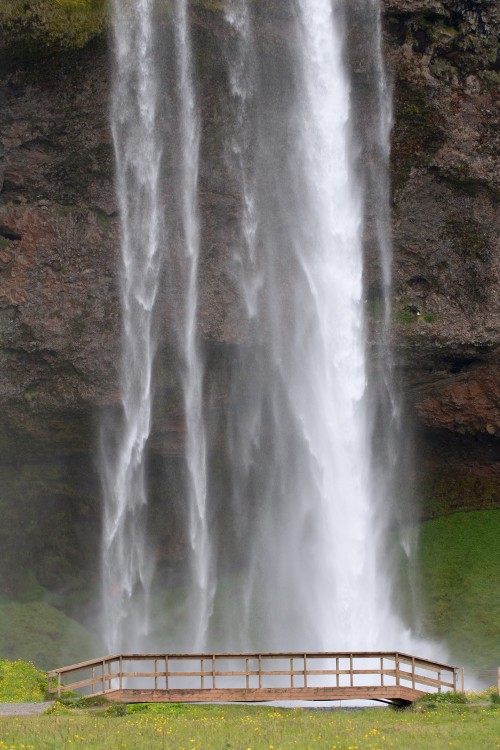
(459, 567)
(449, 491)
(259, 728)
(41, 633)
(52, 23)
(21, 681)
(408, 317)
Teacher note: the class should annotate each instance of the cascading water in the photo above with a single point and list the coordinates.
(126, 563)
(202, 584)
(299, 421)
(286, 542)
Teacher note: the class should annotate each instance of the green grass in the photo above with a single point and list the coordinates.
(459, 565)
(21, 682)
(259, 728)
(37, 632)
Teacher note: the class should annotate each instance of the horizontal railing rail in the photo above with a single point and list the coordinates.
(291, 675)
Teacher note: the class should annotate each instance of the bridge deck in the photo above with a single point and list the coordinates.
(397, 694)
(148, 678)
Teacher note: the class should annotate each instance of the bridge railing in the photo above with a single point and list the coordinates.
(233, 672)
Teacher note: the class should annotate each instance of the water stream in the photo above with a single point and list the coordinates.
(294, 555)
(127, 566)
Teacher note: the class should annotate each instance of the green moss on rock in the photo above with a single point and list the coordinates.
(62, 24)
(449, 491)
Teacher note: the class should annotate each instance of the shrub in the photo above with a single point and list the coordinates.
(21, 682)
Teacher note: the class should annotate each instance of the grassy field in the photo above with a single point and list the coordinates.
(259, 728)
(459, 569)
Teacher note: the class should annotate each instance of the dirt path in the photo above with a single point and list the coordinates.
(24, 709)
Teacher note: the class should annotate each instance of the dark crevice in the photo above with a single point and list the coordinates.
(9, 234)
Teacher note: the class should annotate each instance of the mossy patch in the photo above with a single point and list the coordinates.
(417, 134)
(459, 569)
(62, 24)
(450, 491)
(40, 633)
(21, 682)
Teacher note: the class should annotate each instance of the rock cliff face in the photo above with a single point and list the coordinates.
(59, 306)
(444, 56)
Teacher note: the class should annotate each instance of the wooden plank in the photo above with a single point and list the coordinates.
(84, 683)
(421, 680)
(108, 677)
(405, 658)
(423, 664)
(422, 661)
(82, 665)
(265, 694)
(275, 655)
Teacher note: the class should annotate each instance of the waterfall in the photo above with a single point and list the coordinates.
(202, 585)
(287, 542)
(126, 563)
(310, 501)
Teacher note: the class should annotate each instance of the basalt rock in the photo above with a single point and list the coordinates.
(60, 321)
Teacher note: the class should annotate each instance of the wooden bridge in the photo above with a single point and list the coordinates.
(390, 677)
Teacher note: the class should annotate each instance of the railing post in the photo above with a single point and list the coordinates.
(156, 674)
(337, 663)
(213, 672)
(201, 676)
(455, 680)
(260, 671)
(247, 675)
(381, 671)
(166, 672)
(120, 676)
(103, 675)
(58, 684)
(305, 670)
(397, 668)
(351, 667)
(439, 680)
(413, 672)
(291, 673)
